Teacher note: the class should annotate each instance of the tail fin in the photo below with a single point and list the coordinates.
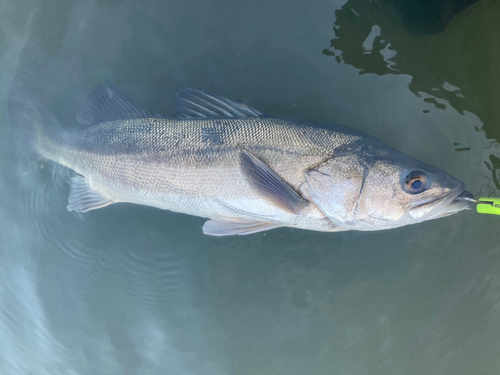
(36, 178)
(28, 121)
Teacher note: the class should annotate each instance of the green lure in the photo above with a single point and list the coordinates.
(488, 206)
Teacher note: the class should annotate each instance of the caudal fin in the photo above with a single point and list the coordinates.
(29, 120)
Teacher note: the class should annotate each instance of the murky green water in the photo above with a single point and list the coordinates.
(133, 290)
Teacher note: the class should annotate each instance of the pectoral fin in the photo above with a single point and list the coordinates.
(232, 226)
(82, 198)
(268, 184)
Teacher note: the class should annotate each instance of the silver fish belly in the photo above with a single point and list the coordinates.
(217, 159)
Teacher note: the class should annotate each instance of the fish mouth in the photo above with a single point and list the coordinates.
(463, 201)
(449, 204)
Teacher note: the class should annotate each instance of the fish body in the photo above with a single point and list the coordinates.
(246, 171)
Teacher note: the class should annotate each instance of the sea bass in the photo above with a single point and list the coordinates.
(245, 171)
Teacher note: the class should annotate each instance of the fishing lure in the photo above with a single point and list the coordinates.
(488, 205)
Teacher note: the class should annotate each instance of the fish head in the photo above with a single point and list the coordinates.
(383, 189)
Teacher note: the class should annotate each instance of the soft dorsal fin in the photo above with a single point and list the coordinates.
(270, 186)
(202, 103)
(107, 103)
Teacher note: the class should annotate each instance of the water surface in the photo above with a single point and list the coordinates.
(134, 290)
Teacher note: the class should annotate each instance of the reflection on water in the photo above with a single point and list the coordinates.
(430, 16)
(448, 68)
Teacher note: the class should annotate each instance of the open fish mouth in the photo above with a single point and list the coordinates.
(449, 204)
(465, 200)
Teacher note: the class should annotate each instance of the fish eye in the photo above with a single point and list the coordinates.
(415, 182)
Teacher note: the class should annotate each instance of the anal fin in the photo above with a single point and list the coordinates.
(82, 198)
(223, 226)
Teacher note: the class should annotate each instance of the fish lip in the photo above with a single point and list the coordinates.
(451, 203)
(462, 201)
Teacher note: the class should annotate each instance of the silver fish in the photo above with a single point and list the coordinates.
(245, 171)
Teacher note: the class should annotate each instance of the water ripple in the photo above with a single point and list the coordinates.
(25, 335)
(45, 210)
(151, 278)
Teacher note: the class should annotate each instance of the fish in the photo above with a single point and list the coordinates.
(245, 171)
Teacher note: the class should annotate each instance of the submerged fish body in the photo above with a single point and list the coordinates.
(245, 171)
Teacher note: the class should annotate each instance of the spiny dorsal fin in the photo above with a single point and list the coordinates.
(227, 226)
(107, 103)
(270, 186)
(202, 103)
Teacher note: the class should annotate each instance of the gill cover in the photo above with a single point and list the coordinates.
(336, 185)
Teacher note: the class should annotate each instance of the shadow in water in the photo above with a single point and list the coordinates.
(450, 67)
(429, 16)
